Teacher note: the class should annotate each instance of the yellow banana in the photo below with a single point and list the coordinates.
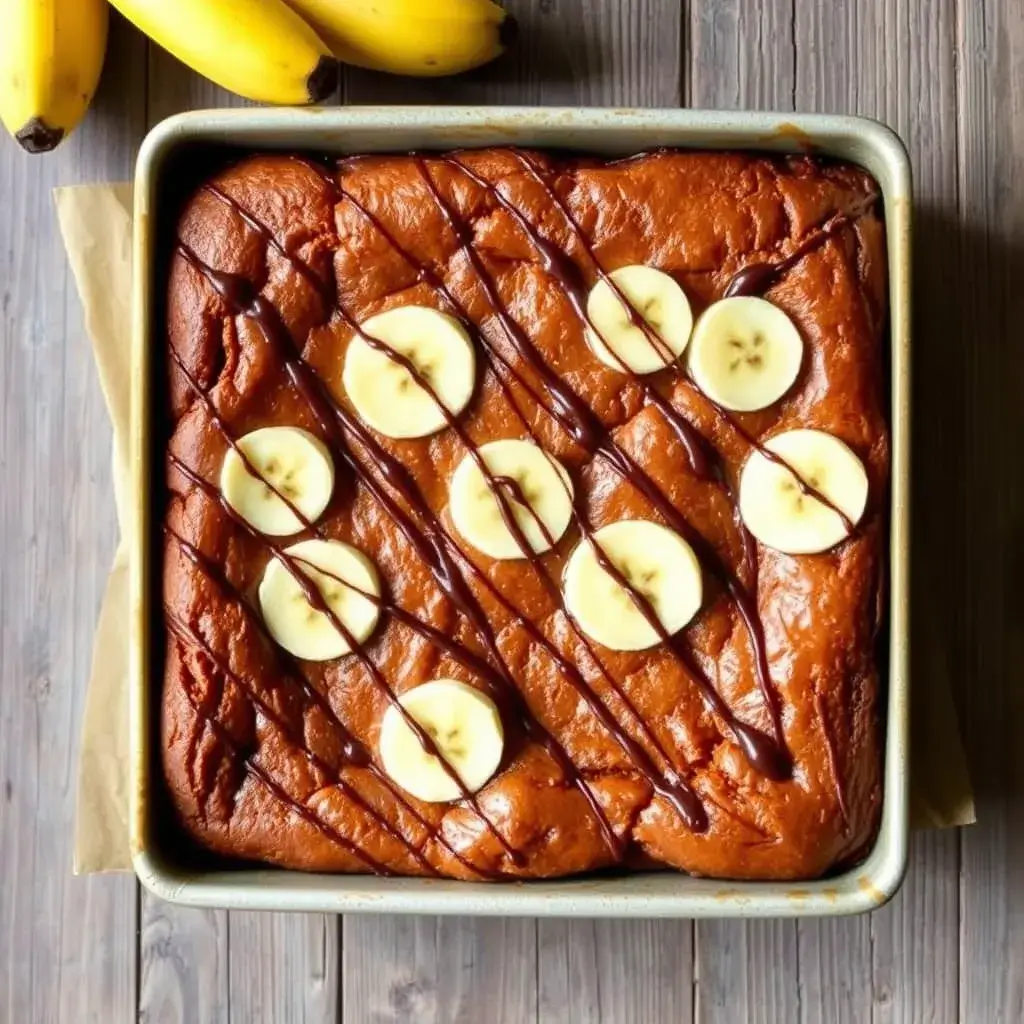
(411, 37)
(51, 55)
(260, 49)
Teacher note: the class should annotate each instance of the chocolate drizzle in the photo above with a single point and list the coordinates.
(761, 278)
(767, 755)
(679, 793)
(438, 549)
(191, 637)
(436, 543)
(252, 768)
(229, 290)
(352, 751)
(239, 295)
(758, 278)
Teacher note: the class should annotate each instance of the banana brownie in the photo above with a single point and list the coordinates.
(526, 514)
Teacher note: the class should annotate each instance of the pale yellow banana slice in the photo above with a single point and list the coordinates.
(745, 353)
(465, 726)
(779, 514)
(523, 470)
(300, 628)
(296, 464)
(656, 298)
(656, 562)
(386, 395)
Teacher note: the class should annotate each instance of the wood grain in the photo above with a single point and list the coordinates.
(990, 36)
(183, 971)
(302, 988)
(438, 970)
(633, 972)
(67, 945)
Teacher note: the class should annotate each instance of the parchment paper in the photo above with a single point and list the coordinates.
(95, 221)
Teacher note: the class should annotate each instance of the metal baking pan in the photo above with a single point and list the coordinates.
(357, 130)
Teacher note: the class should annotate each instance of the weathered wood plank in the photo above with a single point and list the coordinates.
(915, 940)
(183, 971)
(442, 970)
(204, 966)
(746, 971)
(67, 945)
(284, 968)
(741, 55)
(626, 972)
(990, 37)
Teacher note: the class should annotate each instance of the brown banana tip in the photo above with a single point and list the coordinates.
(38, 137)
(508, 31)
(323, 79)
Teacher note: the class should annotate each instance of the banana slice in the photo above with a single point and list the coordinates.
(386, 395)
(657, 299)
(466, 728)
(300, 628)
(779, 514)
(524, 471)
(296, 463)
(656, 562)
(745, 353)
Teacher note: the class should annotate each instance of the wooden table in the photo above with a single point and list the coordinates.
(949, 76)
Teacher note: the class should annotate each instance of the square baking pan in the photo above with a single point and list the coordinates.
(165, 155)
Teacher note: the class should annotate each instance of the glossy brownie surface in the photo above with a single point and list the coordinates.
(271, 759)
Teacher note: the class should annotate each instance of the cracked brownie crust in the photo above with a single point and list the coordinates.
(273, 759)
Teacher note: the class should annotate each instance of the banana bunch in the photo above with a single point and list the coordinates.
(270, 51)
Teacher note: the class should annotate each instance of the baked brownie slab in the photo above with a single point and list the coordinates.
(527, 515)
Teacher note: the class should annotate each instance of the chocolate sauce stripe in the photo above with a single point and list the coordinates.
(581, 423)
(425, 272)
(689, 798)
(247, 463)
(525, 548)
(691, 437)
(187, 634)
(281, 794)
(352, 750)
(679, 792)
(269, 320)
(324, 289)
(273, 329)
(316, 600)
